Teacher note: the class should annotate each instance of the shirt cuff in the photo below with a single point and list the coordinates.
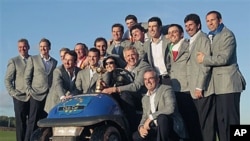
(150, 117)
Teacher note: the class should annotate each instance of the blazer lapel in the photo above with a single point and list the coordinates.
(157, 98)
(183, 48)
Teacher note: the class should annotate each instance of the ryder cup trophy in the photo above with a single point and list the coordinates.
(99, 86)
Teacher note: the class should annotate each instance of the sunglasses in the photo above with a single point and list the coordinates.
(109, 63)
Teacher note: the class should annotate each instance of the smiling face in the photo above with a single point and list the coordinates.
(213, 21)
(154, 29)
(69, 61)
(102, 47)
(110, 64)
(191, 28)
(137, 34)
(131, 57)
(117, 33)
(150, 80)
(44, 48)
(174, 34)
(23, 48)
(93, 58)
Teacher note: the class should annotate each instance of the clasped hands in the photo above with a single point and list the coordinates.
(143, 130)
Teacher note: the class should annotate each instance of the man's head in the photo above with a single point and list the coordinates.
(137, 32)
(44, 46)
(192, 24)
(154, 27)
(93, 57)
(151, 79)
(23, 47)
(175, 33)
(117, 32)
(130, 20)
(62, 52)
(69, 60)
(213, 19)
(101, 44)
(131, 56)
(81, 50)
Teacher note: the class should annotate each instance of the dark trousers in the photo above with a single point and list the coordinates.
(165, 80)
(163, 132)
(21, 114)
(206, 111)
(129, 102)
(189, 114)
(227, 113)
(36, 112)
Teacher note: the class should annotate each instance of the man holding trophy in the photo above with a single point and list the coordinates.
(89, 79)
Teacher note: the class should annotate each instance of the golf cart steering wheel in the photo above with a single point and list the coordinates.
(121, 77)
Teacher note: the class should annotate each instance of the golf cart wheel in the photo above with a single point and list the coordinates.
(105, 133)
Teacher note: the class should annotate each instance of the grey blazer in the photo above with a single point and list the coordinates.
(178, 69)
(199, 75)
(165, 103)
(14, 79)
(140, 49)
(138, 73)
(111, 48)
(226, 76)
(37, 80)
(61, 85)
(86, 85)
(149, 56)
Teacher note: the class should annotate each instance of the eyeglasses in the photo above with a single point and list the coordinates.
(109, 63)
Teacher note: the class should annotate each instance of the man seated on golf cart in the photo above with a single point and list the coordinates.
(129, 96)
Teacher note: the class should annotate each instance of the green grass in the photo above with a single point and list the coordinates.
(7, 135)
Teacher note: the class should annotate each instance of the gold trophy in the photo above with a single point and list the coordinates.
(99, 87)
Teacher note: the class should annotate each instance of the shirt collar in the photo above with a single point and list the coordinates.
(45, 58)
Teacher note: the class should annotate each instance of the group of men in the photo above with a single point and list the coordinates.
(193, 85)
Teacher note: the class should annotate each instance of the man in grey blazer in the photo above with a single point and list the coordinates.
(117, 44)
(160, 119)
(226, 77)
(16, 88)
(156, 50)
(199, 76)
(130, 94)
(87, 78)
(38, 79)
(178, 55)
(63, 85)
(138, 35)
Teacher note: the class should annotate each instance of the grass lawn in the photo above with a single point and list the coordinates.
(7, 135)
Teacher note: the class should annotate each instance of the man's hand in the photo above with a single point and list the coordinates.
(143, 132)
(109, 90)
(198, 93)
(200, 57)
(146, 124)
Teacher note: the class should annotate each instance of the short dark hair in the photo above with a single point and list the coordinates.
(155, 19)
(118, 25)
(178, 26)
(133, 17)
(25, 41)
(137, 26)
(215, 12)
(64, 49)
(193, 17)
(95, 50)
(101, 39)
(47, 41)
(71, 53)
(115, 61)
